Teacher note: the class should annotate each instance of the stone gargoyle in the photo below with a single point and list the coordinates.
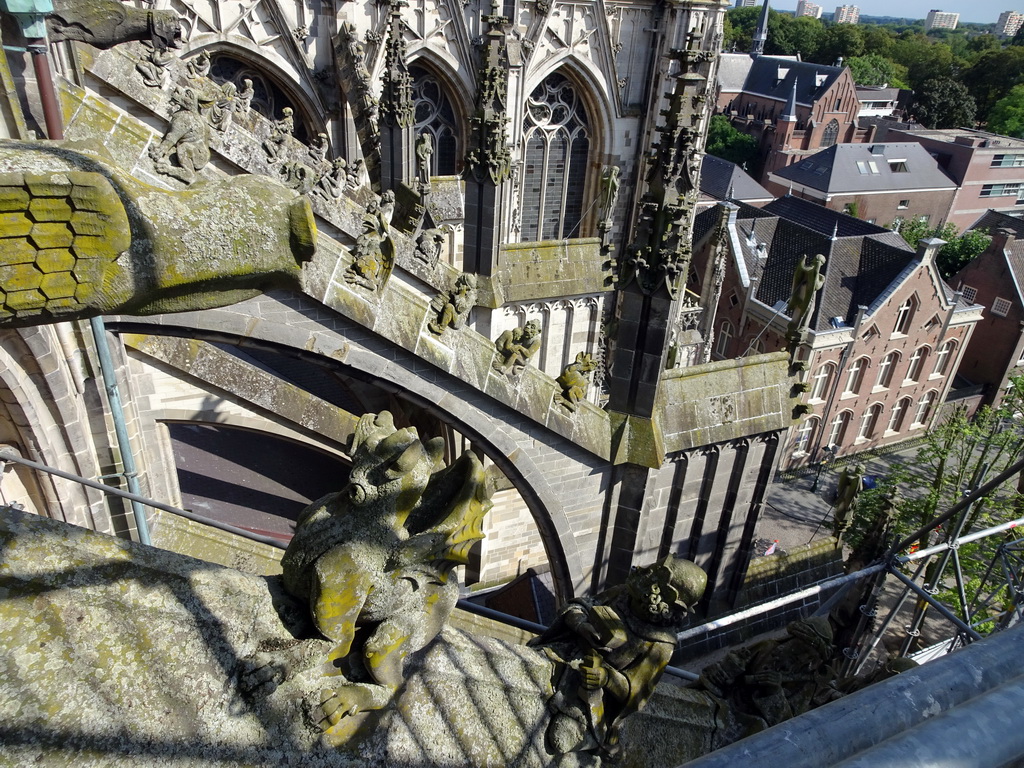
(609, 653)
(106, 23)
(374, 561)
(79, 238)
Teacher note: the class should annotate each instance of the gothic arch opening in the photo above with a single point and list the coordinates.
(558, 136)
(437, 115)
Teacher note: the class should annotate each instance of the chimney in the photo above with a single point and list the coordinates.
(928, 248)
(1002, 239)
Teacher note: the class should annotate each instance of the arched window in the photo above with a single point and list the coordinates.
(899, 413)
(942, 358)
(820, 381)
(905, 316)
(837, 433)
(831, 133)
(855, 376)
(917, 362)
(557, 145)
(436, 116)
(869, 422)
(886, 368)
(724, 335)
(803, 439)
(268, 98)
(924, 409)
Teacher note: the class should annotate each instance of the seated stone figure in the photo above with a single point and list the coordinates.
(771, 681)
(610, 652)
(374, 561)
(515, 347)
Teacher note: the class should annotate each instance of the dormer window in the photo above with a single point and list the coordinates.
(898, 166)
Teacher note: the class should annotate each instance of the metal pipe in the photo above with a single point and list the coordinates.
(124, 446)
(936, 605)
(757, 610)
(6, 455)
(982, 491)
(47, 94)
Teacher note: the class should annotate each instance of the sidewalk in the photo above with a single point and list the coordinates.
(796, 514)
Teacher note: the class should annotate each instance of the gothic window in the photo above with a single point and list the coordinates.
(905, 316)
(268, 98)
(557, 143)
(869, 422)
(899, 412)
(831, 134)
(804, 437)
(885, 369)
(917, 362)
(724, 335)
(855, 376)
(435, 115)
(924, 409)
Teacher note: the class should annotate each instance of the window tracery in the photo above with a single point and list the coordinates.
(435, 115)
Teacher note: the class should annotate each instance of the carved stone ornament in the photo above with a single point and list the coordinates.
(106, 23)
(374, 253)
(610, 651)
(772, 681)
(109, 243)
(187, 139)
(574, 381)
(283, 128)
(154, 65)
(375, 561)
(807, 281)
(453, 307)
(428, 246)
(515, 347)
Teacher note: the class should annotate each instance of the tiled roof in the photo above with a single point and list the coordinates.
(990, 221)
(852, 168)
(861, 262)
(720, 179)
(773, 76)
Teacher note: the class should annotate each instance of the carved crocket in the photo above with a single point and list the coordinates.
(80, 238)
(374, 561)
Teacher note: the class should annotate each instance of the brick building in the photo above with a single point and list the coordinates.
(793, 108)
(884, 184)
(987, 168)
(886, 334)
(994, 279)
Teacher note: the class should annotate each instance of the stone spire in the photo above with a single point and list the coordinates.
(790, 112)
(761, 33)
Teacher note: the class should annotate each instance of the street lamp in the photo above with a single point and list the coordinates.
(830, 455)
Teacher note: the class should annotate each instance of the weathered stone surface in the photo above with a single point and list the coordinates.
(120, 654)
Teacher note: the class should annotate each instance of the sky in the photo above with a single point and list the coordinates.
(978, 11)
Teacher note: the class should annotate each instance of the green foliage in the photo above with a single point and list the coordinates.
(944, 103)
(958, 455)
(741, 23)
(957, 251)
(788, 36)
(874, 69)
(726, 142)
(993, 75)
(840, 40)
(1007, 116)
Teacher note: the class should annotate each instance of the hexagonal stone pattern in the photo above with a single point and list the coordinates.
(60, 235)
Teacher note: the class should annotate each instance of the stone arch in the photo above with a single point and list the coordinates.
(293, 84)
(34, 400)
(495, 440)
(454, 90)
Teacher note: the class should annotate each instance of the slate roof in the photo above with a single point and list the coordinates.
(862, 261)
(720, 179)
(773, 76)
(990, 221)
(853, 168)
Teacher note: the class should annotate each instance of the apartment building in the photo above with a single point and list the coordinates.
(1008, 23)
(847, 14)
(806, 8)
(941, 20)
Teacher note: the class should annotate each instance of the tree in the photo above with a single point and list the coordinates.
(944, 103)
(726, 142)
(741, 25)
(923, 58)
(840, 40)
(792, 36)
(958, 250)
(872, 69)
(1007, 116)
(956, 457)
(993, 75)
